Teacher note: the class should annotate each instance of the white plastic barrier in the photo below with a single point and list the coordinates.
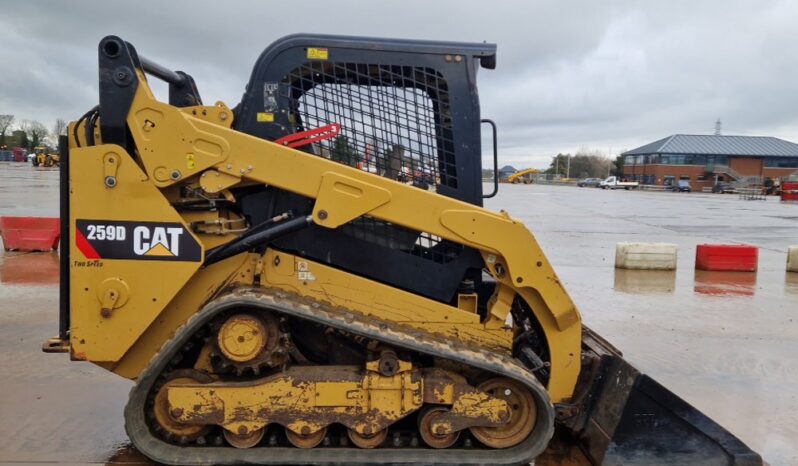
(792, 259)
(645, 256)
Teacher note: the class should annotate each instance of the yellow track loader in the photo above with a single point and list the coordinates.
(310, 277)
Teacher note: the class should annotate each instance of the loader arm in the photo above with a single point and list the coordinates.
(175, 145)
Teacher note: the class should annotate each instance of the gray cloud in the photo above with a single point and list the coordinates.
(570, 74)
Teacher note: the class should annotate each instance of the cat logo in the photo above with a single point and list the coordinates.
(158, 241)
(100, 239)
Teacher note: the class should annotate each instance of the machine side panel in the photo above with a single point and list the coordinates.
(114, 299)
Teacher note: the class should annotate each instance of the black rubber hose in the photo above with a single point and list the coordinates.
(94, 109)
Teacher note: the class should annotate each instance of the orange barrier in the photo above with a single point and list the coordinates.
(30, 233)
(789, 192)
(726, 257)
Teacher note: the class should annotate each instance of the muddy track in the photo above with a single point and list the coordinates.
(302, 308)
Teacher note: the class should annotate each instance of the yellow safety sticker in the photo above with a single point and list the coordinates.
(190, 162)
(264, 117)
(315, 53)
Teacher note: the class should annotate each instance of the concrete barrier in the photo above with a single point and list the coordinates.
(645, 256)
(792, 259)
(726, 257)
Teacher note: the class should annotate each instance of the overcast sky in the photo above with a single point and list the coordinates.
(601, 75)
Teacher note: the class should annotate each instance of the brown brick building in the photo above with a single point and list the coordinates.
(704, 160)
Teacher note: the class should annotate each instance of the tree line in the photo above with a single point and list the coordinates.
(34, 132)
(585, 165)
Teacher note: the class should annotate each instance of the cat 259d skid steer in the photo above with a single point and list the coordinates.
(310, 277)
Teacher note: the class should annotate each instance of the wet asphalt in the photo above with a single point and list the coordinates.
(725, 342)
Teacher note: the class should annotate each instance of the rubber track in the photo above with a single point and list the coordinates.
(340, 318)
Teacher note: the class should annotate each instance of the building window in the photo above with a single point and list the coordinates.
(685, 177)
(667, 180)
(701, 177)
(781, 162)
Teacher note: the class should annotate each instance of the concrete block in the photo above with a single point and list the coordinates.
(792, 259)
(645, 256)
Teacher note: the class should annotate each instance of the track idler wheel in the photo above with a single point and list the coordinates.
(165, 420)
(305, 440)
(247, 440)
(433, 439)
(367, 441)
(523, 414)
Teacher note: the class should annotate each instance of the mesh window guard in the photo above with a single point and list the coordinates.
(419, 244)
(394, 119)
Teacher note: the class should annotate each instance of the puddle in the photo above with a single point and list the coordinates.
(128, 455)
(725, 283)
(645, 281)
(35, 268)
(791, 283)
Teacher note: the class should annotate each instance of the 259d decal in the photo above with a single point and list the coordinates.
(100, 239)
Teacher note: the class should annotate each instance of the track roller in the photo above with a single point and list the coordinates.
(425, 419)
(523, 414)
(367, 441)
(305, 440)
(245, 440)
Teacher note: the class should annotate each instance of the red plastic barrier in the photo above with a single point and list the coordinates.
(19, 156)
(789, 192)
(726, 257)
(30, 233)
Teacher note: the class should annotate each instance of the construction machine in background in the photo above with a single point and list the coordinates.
(283, 290)
(523, 176)
(41, 158)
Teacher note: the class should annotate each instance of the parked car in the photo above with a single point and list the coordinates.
(589, 182)
(614, 183)
(682, 186)
(723, 188)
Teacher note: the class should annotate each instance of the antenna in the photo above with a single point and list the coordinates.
(717, 127)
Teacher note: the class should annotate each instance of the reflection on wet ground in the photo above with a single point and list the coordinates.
(645, 281)
(791, 283)
(35, 268)
(730, 354)
(129, 456)
(725, 283)
(724, 342)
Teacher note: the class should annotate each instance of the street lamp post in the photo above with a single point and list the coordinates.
(568, 169)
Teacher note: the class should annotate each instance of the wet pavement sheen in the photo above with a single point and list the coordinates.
(725, 342)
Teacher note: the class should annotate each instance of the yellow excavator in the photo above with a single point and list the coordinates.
(276, 302)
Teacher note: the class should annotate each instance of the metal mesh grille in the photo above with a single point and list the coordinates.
(394, 119)
(420, 244)
(394, 122)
